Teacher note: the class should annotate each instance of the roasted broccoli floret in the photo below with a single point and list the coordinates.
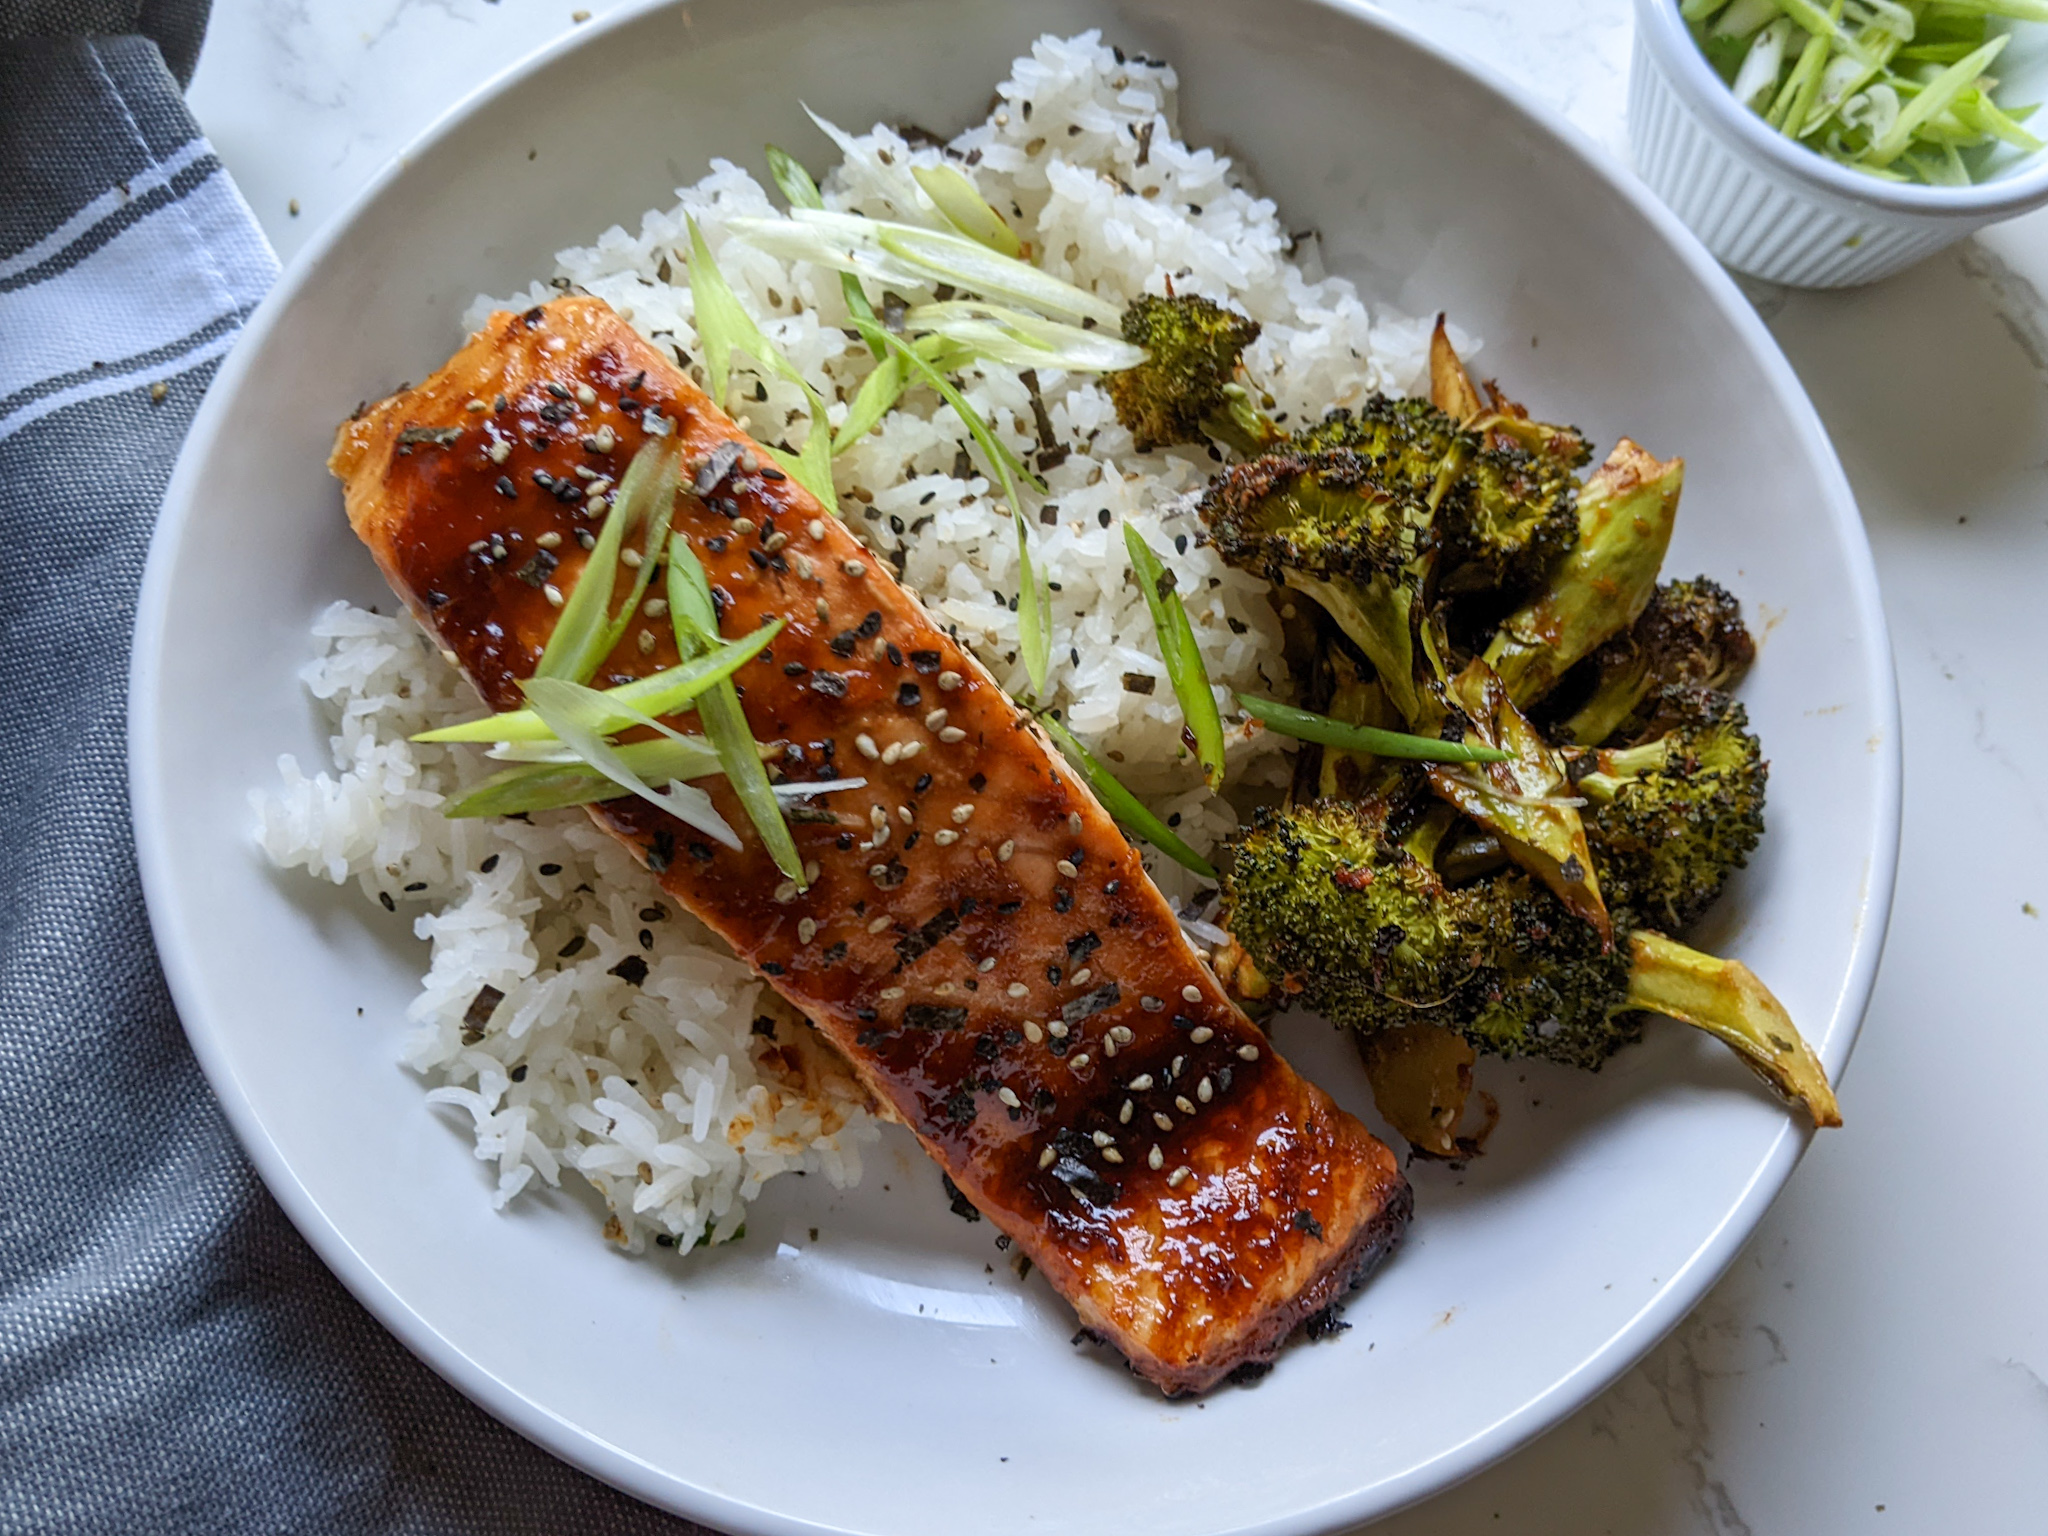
(1690, 635)
(1504, 515)
(1625, 515)
(1183, 392)
(1335, 525)
(1352, 920)
(1669, 821)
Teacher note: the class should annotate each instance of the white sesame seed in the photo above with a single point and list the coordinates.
(646, 642)
(1003, 853)
(1057, 1029)
(1248, 1053)
(1122, 1034)
(1123, 1116)
(1191, 993)
(949, 680)
(774, 542)
(855, 569)
(816, 528)
(549, 540)
(877, 871)
(1141, 1082)
(1079, 1061)
(890, 994)
(804, 568)
(1082, 976)
(655, 607)
(866, 744)
(987, 964)
(878, 925)
(945, 837)
(961, 813)
(1111, 1155)
(880, 649)
(450, 657)
(603, 440)
(1179, 1176)
(1155, 1159)
(1102, 1138)
(500, 452)
(1045, 1158)
(1031, 1031)
(585, 395)
(1174, 1071)
(596, 506)
(824, 611)
(810, 870)
(911, 749)
(1109, 1046)
(743, 526)
(806, 930)
(1009, 1097)
(903, 814)
(877, 817)
(1164, 1122)
(1205, 1090)
(1201, 1034)
(478, 406)
(936, 720)
(952, 735)
(785, 893)
(553, 594)
(1150, 1003)
(631, 559)
(1018, 989)
(1180, 1102)
(1074, 822)
(892, 753)
(1067, 867)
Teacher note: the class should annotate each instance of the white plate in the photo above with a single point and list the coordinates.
(881, 1379)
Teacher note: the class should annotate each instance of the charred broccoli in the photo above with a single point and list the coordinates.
(1671, 819)
(1625, 515)
(1690, 635)
(1337, 909)
(1335, 525)
(1183, 392)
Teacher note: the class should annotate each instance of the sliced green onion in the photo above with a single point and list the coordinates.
(1940, 92)
(571, 710)
(551, 786)
(1034, 609)
(723, 327)
(911, 257)
(1009, 468)
(1123, 805)
(582, 636)
(719, 712)
(1303, 725)
(802, 192)
(659, 693)
(1005, 335)
(885, 384)
(962, 205)
(1183, 657)
(899, 188)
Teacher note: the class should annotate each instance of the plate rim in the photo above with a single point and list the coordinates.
(1666, 1306)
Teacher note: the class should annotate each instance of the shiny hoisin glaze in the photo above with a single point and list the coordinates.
(979, 939)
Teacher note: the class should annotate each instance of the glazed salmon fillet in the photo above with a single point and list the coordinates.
(977, 937)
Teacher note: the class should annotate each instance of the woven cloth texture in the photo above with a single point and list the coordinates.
(173, 1357)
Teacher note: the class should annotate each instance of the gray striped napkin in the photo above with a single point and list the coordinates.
(172, 1356)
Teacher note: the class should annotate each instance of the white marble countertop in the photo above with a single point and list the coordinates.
(1878, 1359)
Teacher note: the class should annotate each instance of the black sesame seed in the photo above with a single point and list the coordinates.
(926, 662)
(574, 947)
(632, 970)
(924, 782)
(506, 487)
(908, 695)
(829, 683)
(1063, 899)
(978, 782)
(489, 864)
(389, 904)
(551, 869)
(895, 656)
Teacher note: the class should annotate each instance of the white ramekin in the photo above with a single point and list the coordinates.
(1771, 207)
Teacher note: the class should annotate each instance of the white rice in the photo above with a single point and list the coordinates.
(661, 1095)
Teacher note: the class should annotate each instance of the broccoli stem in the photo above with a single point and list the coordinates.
(1725, 998)
(1617, 768)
